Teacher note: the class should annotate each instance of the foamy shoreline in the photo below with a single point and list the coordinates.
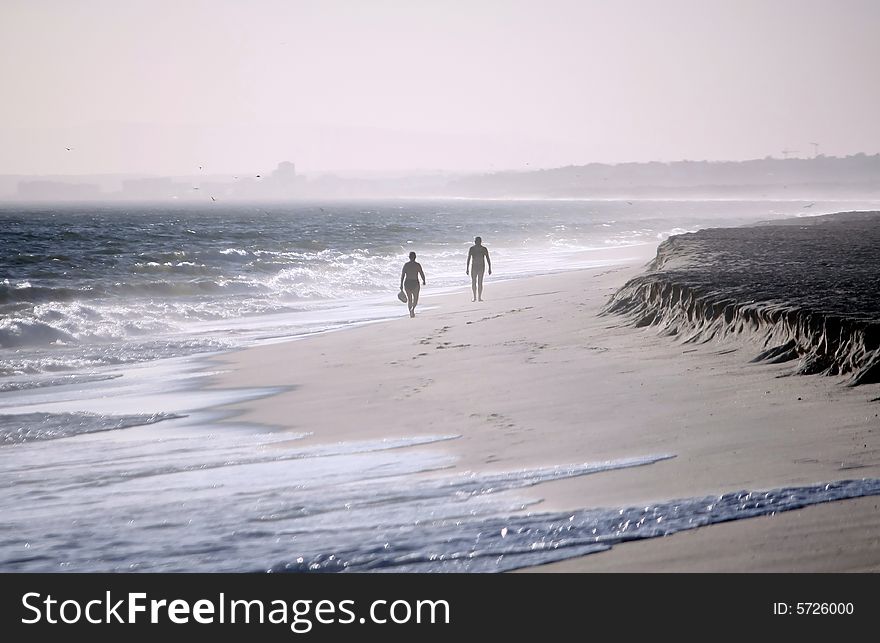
(535, 377)
(526, 430)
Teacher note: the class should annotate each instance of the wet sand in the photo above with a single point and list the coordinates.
(834, 537)
(536, 376)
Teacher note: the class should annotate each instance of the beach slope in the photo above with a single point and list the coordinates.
(541, 374)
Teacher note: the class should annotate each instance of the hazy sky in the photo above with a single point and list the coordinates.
(163, 87)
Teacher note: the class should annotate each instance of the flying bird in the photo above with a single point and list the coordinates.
(213, 199)
(68, 148)
(809, 205)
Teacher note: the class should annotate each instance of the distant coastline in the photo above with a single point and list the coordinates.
(817, 178)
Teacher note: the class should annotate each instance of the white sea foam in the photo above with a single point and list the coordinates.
(235, 500)
(142, 291)
(251, 499)
(32, 427)
(163, 273)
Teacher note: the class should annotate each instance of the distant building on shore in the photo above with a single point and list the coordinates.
(282, 182)
(285, 174)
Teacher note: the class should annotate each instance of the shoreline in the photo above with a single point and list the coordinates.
(630, 258)
(514, 377)
(837, 536)
(530, 413)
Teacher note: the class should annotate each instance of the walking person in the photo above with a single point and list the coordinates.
(409, 282)
(478, 259)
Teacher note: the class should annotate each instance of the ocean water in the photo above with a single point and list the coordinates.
(110, 448)
(179, 497)
(88, 286)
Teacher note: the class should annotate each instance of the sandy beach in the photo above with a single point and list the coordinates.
(536, 376)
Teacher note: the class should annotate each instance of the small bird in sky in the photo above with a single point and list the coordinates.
(809, 205)
(321, 209)
(195, 187)
(258, 176)
(629, 202)
(213, 199)
(200, 167)
(68, 148)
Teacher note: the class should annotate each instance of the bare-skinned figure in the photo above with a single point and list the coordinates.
(477, 261)
(409, 282)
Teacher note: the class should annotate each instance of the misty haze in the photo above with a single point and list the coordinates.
(302, 286)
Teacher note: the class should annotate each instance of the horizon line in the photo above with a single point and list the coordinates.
(424, 171)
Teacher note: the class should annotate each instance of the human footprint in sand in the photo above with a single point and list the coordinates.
(409, 282)
(478, 259)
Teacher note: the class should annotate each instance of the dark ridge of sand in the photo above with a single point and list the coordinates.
(806, 289)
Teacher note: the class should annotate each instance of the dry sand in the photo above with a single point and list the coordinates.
(535, 376)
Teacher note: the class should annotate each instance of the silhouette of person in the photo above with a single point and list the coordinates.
(409, 282)
(478, 258)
